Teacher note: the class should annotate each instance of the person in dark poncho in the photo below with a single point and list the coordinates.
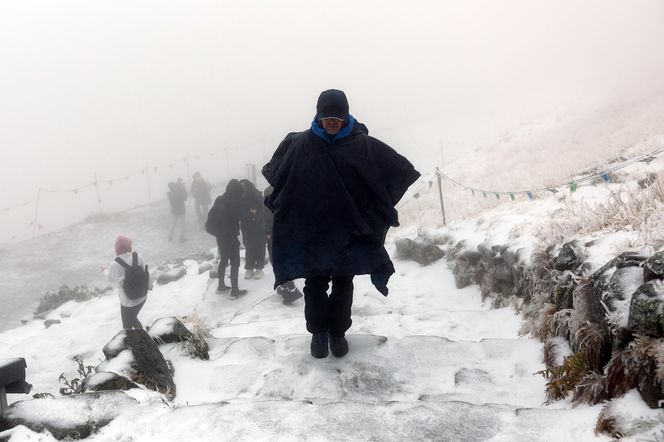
(288, 291)
(224, 223)
(253, 232)
(335, 191)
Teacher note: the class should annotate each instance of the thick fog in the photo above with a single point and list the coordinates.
(129, 88)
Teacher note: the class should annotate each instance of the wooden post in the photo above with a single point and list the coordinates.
(98, 195)
(147, 178)
(34, 220)
(440, 195)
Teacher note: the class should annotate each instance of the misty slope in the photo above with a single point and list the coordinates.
(73, 255)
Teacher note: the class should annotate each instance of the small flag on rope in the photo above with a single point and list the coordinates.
(512, 196)
(484, 194)
(430, 183)
(606, 177)
(553, 190)
(497, 196)
(473, 192)
(572, 186)
(530, 195)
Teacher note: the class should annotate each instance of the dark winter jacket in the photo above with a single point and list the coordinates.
(268, 218)
(251, 221)
(200, 189)
(177, 195)
(333, 202)
(224, 216)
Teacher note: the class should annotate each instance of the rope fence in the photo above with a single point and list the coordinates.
(101, 185)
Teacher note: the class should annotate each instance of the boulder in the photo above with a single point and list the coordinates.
(70, 417)
(653, 268)
(645, 310)
(419, 250)
(206, 266)
(571, 256)
(50, 322)
(105, 380)
(133, 354)
(171, 329)
(171, 275)
(467, 269)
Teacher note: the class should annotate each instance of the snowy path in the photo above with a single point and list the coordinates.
(429, 362)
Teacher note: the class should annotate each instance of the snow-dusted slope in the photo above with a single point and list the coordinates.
(429, 362)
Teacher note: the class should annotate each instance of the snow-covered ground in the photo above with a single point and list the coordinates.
(430, 362)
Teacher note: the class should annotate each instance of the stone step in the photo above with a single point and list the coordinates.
(377, 370)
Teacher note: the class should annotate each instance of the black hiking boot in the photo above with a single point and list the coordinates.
(319, 347)
(289, 295)
(222, 288)
(236, 293)
(338, 346)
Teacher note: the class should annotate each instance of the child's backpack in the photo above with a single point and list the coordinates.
(137, 279)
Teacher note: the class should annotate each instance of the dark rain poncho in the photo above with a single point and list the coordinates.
(333, 202)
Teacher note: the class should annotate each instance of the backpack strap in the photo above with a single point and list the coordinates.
(122, 263)
(134, 259)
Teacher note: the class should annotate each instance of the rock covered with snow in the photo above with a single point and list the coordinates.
(171, 275)
(653, 268)
(206, 266)
(646, 311)
(106, 380)
(420, 250)
(70, 417)
(133, 354)
(172, 330)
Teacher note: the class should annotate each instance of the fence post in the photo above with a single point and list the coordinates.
(440, 195)
(98, 195)
(34, 220)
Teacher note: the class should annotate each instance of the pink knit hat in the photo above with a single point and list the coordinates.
(122, 245)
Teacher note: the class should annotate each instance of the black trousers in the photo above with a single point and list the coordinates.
(130, 316)
(254, 256)
(229, 252)
(331, 313)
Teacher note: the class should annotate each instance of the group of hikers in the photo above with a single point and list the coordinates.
(324, 217)
(177, 197)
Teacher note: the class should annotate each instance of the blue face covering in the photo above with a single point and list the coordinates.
(343, 133)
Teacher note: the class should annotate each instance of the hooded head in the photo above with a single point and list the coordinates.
(122, 245)
(234, 189)
(332, 103)
(249, 187)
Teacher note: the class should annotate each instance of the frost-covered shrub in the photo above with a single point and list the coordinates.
(54, 299)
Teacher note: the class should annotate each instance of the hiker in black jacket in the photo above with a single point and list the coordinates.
(253, 234)
(335, 191)
(177, 195)
(224, 223)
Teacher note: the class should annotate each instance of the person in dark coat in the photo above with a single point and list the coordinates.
(288, 291)
(224, 223)
(177, 195)
(200, 189)
(335, 191)
(253, 233)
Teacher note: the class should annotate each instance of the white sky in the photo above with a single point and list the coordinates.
(110, 86)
